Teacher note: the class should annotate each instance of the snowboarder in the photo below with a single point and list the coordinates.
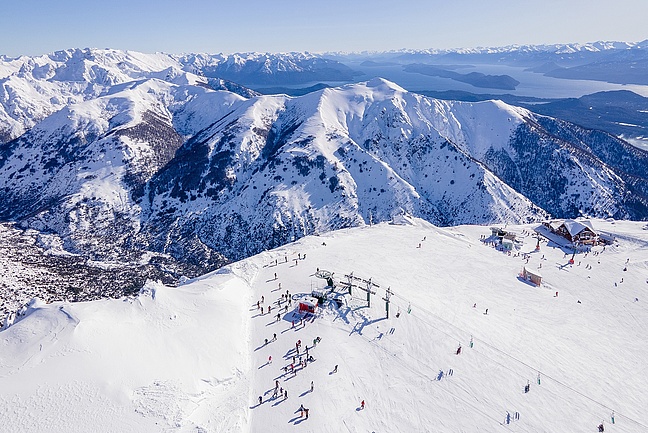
(601, 428)
(458, 350)
(486, 312)
(527, 387)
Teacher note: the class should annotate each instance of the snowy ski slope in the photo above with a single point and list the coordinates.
(193, 358)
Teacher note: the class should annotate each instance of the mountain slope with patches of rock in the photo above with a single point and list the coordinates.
(205, 176)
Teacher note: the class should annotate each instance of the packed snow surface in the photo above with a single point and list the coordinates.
(194, 358)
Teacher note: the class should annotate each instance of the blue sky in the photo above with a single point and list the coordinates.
(174, 26)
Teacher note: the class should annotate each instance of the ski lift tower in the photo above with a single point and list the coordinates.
(360, 283)
(388, 294)
(351, 282)
(369, 290)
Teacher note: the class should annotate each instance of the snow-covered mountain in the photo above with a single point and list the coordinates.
(178, 168)
(156, 168)
(32, 88)
(194, 358)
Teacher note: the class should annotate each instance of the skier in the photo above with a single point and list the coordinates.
(362, 404)
(335, 369)
(301, 410)
(312, 386)
(508, 418)
(471, 342)
(306, 410)
(270, 359)
(459, 350)
(260, 400)
(601, 428)
(274, 337)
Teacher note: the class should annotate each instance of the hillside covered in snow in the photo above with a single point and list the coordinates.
(199, 356)
(121, 160)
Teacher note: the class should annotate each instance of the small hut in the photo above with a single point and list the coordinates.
(532, 276)
(307, 305)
